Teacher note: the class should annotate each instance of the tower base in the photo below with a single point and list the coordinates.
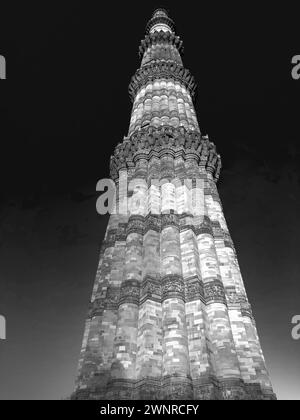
(176, 388)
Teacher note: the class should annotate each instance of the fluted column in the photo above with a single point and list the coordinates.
(149, 340)
(176, 368)
(124, 370)
(224, 353)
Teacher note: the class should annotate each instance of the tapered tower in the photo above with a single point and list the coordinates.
(169, 316)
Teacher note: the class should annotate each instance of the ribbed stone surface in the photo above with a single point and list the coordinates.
(163, 102)
(169, 317)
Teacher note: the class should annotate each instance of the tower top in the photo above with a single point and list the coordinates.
(160, 12)
(160, 21)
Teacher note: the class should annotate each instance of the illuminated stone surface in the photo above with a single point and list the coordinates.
(169, 316)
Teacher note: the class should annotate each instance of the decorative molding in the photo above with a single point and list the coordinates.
(172, 287)
(246, 310)
(150, 290)
(194, 289)
(161, 70)
(155, 142)
(160, 37)
(130, 292)
(152, 222)
(135, 225)
(169, 220)
(214, 292)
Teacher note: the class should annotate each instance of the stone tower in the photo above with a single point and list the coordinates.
(169, 316)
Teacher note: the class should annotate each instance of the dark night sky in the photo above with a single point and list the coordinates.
(63, 109)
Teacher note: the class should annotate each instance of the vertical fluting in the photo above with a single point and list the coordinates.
(163, 102)
(175, 341)
(225, 358)
(225, 355)
(169, 317)
(201, 368)
(149, 358)
(123, 371)
(149, 340)
(176, 368)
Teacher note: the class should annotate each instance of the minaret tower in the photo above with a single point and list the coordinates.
(169, 316)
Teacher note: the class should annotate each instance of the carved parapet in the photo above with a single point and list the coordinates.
(169, 220)
(161, 70)
(150, 289)
(160, 37)
(179, 142)
(172, 287)
(194, 289)
(152, 222)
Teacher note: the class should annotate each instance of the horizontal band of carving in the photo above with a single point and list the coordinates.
(246, 310)
(113, 236)
(236, 389)
(160, 37)
(215, 224)
(121, 389)
(135, 225)
(156, 222)
(152, 222)
(148, 389)
(254, 392)
(172, 287)
(214, 292)
(82, 394)
(161, 70)
(168, 220)
(110, 239)
(156, 142)
(177, 387)
(229, 244)
(232, 389)
(204, 228)
(174, 387)
(220, 233)
(185, 227)
(205, 391)
(150, 290)
(163, 151)
(233, 298)
(194, 289)
(109, 301)
(130, 292)
(96, 308)
(121, 232)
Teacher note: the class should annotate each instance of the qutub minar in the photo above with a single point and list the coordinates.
(169, 317)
